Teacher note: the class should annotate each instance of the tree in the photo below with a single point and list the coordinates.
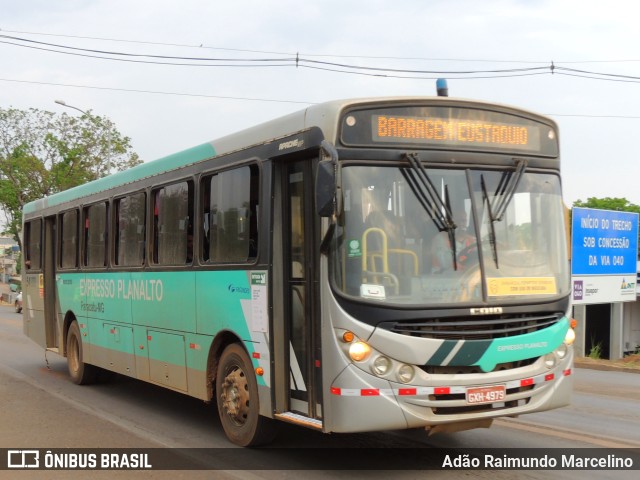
(42, 153)
(608, 203)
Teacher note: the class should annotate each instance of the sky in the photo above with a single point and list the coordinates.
(592, 91)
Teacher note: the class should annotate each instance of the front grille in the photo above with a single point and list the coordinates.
(473, 327)
(472, 369)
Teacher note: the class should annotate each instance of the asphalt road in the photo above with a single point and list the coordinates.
(41, 408)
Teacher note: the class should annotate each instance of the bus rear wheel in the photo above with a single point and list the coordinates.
(80, 372)
(237, 398)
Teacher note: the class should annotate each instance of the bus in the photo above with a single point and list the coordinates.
(360, 265)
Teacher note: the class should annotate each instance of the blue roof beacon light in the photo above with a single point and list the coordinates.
(442, 88)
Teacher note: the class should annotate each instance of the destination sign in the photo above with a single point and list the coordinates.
(449, 127)
(389, 128)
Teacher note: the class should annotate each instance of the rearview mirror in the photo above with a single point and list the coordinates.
(326, 187)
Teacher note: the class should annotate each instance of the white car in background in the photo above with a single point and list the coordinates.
(18, 303)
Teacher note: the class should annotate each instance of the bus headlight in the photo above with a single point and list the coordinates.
(359, 351)
(570, 337)
(405, 373)
(381, 365)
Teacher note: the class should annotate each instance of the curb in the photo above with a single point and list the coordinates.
(604, 367)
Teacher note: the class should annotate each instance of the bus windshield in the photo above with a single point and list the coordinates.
(420, 236)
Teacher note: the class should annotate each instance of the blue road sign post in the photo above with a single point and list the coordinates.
(604, 256)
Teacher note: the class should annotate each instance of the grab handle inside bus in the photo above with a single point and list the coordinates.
(328, 198)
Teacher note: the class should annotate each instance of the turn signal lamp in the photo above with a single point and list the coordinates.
(347, 337)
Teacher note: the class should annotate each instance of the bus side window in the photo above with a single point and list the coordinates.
(69, 239)
(173, 228)
(130, 230)
(33, 243)
(232, 214)
(95, 235)
(205, 238)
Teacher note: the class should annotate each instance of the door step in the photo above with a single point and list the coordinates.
(298, 419)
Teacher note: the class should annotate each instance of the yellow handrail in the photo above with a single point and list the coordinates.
(384, 254)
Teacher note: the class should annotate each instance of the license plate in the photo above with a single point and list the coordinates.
(494, 393)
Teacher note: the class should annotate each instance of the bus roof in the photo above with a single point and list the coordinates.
(323, 115)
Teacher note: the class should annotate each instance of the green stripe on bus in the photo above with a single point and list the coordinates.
(147, 169)
(442, 352)
(521, 347)
(470, 352)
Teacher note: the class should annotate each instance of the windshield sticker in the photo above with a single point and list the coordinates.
(372, 291)
(499, 287)
(354, 249)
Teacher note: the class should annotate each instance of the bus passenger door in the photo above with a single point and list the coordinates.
(301, 321)
(49, 283)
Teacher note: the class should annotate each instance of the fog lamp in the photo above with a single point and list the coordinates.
(381, 365)
(405, 373)
(561, 351)
(549, 360)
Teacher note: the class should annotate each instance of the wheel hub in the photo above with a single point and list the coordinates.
(235, 396)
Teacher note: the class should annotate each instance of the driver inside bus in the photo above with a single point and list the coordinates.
(441, 251)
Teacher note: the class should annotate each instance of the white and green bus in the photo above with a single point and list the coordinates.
(361, 265)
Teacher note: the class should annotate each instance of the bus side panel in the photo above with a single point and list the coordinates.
(197, 355)
(167, 359)
(236, 301)
(163, 299)
(95, 300)
(184, 368)
(219, 297)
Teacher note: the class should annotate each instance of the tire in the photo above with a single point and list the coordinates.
(18, 308)
(80, 372)
(237, 399)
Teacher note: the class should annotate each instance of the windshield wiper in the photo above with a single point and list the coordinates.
(506, 190)
(502, 198)
(492, 233)
(440, 211)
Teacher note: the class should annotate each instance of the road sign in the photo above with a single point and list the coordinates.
(603, 255)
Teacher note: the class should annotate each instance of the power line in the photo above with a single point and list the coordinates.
(383, 75)
(332, 55)
(156, 92)
(298, 62)
(143, 42)
(267, 62)
(285, 61)
(254, 99)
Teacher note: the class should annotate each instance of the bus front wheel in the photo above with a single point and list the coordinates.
(237, 398)
(80, 372)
